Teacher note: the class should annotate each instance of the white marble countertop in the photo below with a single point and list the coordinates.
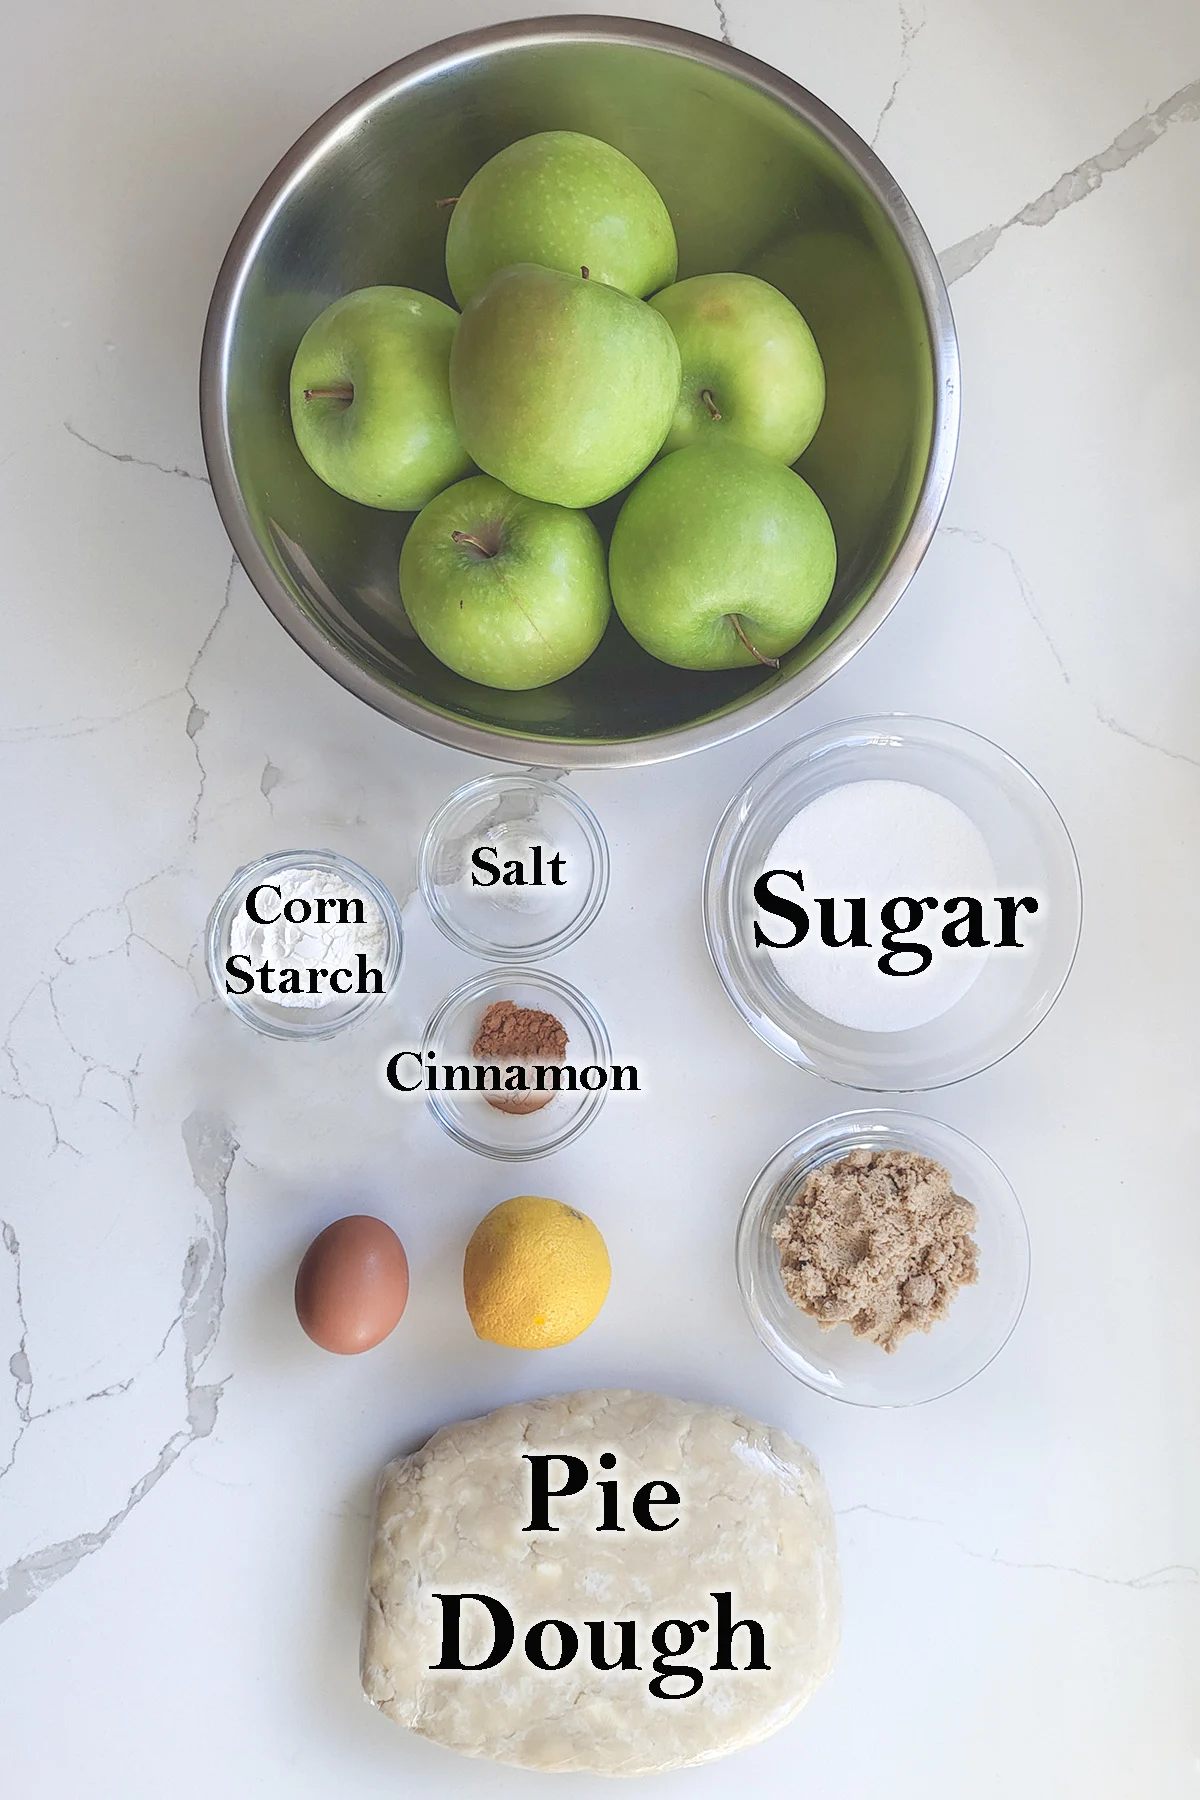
(184, 1480)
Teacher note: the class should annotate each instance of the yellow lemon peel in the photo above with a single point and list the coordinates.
(535, 1274)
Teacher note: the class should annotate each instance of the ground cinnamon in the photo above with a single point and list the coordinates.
(509, 1033)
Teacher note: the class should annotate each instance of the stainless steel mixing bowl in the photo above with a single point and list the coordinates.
(758, 175)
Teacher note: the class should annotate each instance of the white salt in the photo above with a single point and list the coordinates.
(879, 839)
(513, 840)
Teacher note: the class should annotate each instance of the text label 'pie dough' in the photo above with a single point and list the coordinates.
(607, 1581)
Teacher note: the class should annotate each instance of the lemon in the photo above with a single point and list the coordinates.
(535, 1274)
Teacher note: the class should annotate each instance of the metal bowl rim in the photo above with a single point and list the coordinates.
(496, 742)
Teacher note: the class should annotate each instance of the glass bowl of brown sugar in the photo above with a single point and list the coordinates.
(516, 1063)
(882, 1258)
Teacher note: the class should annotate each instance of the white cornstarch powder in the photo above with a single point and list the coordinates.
(879, 839)
(311, 944)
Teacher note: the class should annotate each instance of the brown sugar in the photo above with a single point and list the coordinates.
(509, 1033)
(879, 1241)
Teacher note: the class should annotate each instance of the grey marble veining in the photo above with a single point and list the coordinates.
(178, 1467)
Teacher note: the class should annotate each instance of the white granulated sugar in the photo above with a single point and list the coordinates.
(879, 839)
(310, 945)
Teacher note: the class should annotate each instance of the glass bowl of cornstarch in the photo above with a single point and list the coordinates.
(893, 903)
(304, 944)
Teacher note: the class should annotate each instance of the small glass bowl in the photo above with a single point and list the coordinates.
(507, 815)
(451, 1033)
(258, 1009)
(1031, 853)
(924, 1366)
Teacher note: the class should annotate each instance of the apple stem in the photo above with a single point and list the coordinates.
(768, 662)
(343, 390)
(584, 271)
(452, 200)
(464, 537)
(706, 394)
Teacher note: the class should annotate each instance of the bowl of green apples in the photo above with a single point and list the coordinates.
(580, 392)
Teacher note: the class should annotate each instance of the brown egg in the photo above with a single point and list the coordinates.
(352, 1285)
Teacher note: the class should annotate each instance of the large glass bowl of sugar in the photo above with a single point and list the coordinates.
(861, 842)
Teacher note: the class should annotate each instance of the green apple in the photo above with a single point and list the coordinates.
(565, 201)
(563, 387)
(752, 373)
(727, 173)
(507, 591)
(721, 558)
(370, 398)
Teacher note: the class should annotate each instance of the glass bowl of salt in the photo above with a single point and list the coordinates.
(893, 903)
(513, 867)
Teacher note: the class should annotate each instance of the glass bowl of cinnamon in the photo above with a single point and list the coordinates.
(516, 1064)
